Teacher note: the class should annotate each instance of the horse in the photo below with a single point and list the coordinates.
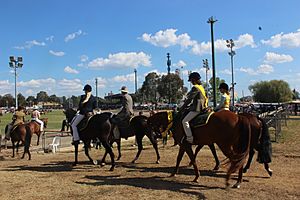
(260, 141)
(31, 128)
(138, 127)
(98, 127)
(18, 133)
(229, 131)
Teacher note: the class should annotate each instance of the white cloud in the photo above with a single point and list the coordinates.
(123, 78)
(168, 37)
(271, 57)
(84, 58)
(284, 40)
(74, 35)
(74, 85)
(57, 53)
(226, 71)
(262, 69)
(180, 63)
(121, 60)
(70, 70)
(265, 69)
(29, 44)
(37, 83)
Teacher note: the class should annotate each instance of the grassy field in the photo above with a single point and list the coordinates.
(54, 120)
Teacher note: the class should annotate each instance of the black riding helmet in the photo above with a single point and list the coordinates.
(224, 86)
(87, 87)
(194, 75)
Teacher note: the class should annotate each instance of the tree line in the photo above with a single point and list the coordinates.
(165, 89)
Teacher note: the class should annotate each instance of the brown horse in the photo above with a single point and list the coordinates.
(260, 141)
(228, 130)
(18, 134)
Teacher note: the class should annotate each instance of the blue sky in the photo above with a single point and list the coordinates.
(66, 44)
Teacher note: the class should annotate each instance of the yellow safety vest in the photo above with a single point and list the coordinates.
(227, 101)
(201, 89)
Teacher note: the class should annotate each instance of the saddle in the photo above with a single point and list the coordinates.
(124, 127)
(84, 122)
(201, 119)
(15, 126)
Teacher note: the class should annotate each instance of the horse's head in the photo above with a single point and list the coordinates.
(70, 113)
(158, 121)
(45, 120)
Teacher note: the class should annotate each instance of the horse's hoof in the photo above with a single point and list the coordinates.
(95, 162)
(74, 164)
(195, 180)
(270, 172)
(102, 164)
(245, 170)
(112, 168)
(157, 162)
(237, 186)
(119, 158)
(216, 168)
(173, 175)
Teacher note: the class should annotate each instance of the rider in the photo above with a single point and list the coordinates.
(225, 98)
(86, 105)
(35, 116)
(125, 113)
(18, 118)
(195, 103)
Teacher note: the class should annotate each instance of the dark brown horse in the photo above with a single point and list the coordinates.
(98, 127)
(260, 141)
(18, 133)
(138, 127)
(228, 130)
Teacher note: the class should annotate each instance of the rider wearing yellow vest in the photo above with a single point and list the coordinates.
(195, 103)
(225, 98)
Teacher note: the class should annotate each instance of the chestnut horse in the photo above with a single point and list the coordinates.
(98, 127)
(228, 130)
(18, 133)
(260, 141)
(138, 127)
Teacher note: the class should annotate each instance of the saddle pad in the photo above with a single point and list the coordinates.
(201, 119)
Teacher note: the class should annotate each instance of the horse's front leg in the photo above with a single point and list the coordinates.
(270, 172)
(86, 151)
(76, 154)
(118, 141)
(38, 139)
(179, 158)
(13, 147)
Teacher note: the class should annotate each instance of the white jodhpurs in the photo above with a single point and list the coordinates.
(186, 125)
(40, 122)
(76, 120)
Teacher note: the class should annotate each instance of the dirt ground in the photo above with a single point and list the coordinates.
(52, 176)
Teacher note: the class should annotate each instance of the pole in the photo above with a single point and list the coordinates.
(16, 97)
(169, 64)
(97, 92)
(232, 79)
(212, 21)
(135, 80)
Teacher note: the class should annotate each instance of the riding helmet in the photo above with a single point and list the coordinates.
(224, 86)
(87, 87)
(194, 75)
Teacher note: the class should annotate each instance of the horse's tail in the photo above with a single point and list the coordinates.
(265, 145)
(27, 139)
(243, 145)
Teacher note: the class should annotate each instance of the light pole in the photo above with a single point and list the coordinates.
(230, 44)
(211, 21)
(96, 82)
(169, 68)
(205, 65)
(135, 80)
(15, 63)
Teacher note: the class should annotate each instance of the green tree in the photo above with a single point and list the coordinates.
(21, 100)
(170, 88)
(54, 98)
(7, 100)
(274, 91)
(31, 100)
(149, 87)
(210, 93)
(42, 96)
(295, 94)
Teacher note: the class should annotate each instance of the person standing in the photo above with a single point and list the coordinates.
(86, 106)
(18, 118)
(195, 103)
(35, 116)
(225, 98)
